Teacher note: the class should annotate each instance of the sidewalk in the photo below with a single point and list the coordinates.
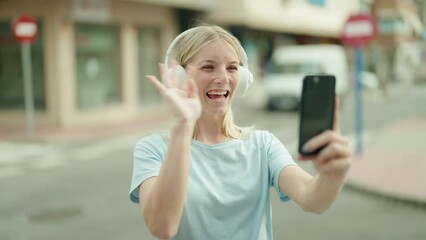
(393, 164)
(85, 133)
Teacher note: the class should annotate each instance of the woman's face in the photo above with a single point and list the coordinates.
(215, 69)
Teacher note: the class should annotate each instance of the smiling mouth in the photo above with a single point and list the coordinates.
(217, 94)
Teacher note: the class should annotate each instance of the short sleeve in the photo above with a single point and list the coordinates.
(147, 160)
(278, 158)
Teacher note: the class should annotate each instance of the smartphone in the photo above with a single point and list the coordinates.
(316, 108)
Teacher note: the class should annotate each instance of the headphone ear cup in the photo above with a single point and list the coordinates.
(177, 71)
(245, 80)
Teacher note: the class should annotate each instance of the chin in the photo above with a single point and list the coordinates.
(217, 111)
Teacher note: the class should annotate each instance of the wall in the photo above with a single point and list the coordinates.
(60, 62)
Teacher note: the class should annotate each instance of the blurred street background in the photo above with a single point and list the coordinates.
(66, 150)
(79, 189)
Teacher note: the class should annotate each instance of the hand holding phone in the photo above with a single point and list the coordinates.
(316, 109)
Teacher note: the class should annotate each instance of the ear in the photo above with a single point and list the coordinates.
(245, 80)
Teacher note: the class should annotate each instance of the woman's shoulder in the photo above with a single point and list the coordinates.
(153, 139)
(259, 135)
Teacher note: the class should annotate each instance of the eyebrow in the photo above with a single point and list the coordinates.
(212, 61)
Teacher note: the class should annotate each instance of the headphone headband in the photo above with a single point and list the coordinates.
(242, 53)
(172, 45)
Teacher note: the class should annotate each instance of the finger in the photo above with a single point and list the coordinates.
(179, 76)
(335, 139)
(172, 76)
(332, 151)
(191, 88)
(323, 139)
(164, 72)
(306, 158)
(157, 84)
(189, 83)
(336, 122)
(343, 141)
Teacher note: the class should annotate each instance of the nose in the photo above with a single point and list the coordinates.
(222, 76)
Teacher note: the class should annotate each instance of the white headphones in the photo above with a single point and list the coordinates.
(245, 76)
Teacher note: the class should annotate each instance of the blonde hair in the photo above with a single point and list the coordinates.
(189, 44)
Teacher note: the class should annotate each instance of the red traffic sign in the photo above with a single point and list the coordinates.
(24, 29)
(358, 30)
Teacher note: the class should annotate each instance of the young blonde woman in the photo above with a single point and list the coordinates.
(209, 178)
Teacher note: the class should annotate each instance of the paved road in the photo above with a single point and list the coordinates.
(355, 215)
(61, 191)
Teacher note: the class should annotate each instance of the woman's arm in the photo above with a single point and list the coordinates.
(162, 197)
(316, 194)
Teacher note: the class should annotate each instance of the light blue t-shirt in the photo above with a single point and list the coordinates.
(228, 186)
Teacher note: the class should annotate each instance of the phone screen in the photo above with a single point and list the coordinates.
(316, 109)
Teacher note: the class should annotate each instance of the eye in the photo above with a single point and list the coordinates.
(232, 68)
(207, 67)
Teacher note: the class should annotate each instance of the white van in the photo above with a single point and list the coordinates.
(283, 83)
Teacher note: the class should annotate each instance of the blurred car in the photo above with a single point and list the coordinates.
(289, 65)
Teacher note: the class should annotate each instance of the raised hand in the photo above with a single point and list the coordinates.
(182, 99)
(334, 159)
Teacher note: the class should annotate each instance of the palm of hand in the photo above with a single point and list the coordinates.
(183, 101)
(182, 106)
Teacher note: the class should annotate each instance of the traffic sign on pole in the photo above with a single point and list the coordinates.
(359, 30)
(24, 30)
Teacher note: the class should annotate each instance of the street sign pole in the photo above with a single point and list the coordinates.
(24, 30)
(28, 87)
(359, 30)
(358, 98)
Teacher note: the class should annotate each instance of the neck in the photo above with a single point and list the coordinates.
(209, 130)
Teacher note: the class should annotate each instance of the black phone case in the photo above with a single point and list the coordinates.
(316, 108)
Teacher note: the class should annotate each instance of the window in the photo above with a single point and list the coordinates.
(317, 2)
(97, 65)
(392, 26)
(148, 59)
(11, 76)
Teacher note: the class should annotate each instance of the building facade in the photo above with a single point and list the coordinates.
(398, 46)
(91, 56)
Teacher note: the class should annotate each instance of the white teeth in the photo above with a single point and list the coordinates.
(217, 92)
